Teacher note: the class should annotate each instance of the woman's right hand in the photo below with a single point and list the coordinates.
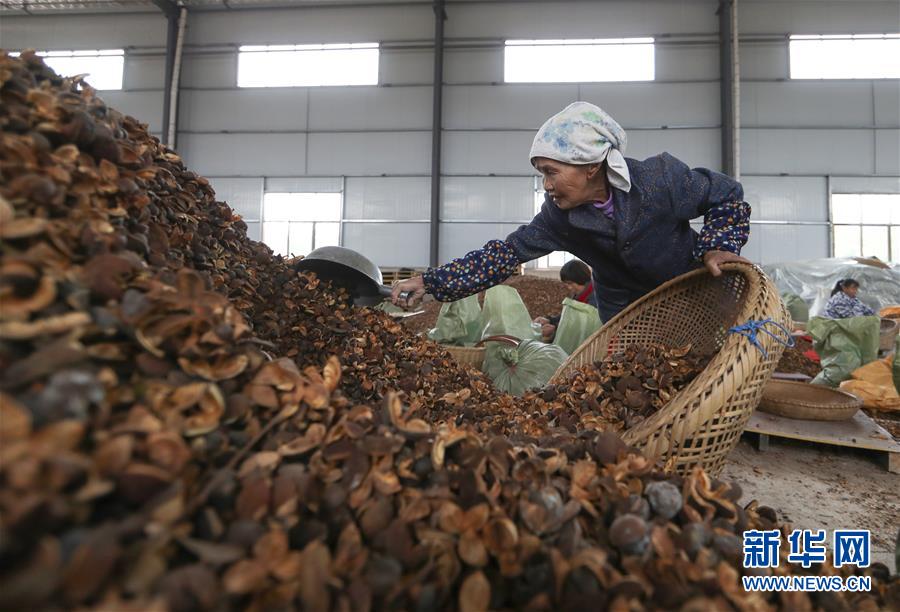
(414, 288)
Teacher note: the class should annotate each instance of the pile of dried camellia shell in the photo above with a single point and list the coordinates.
(614, 394)
(185, 424)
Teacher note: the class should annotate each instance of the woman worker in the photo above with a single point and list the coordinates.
(844, 304)
(627, 219)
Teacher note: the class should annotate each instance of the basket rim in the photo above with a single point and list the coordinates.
(720, 360)
(847, 399)
(468, 349)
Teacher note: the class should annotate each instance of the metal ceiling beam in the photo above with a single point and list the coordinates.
(436, 120)
(168, 7)
(65, 6)
(33, 7)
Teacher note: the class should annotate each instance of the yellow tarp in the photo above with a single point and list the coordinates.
(874, 384)
(890, 312)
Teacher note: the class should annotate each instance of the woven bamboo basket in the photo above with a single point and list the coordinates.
(469, 355)
(889, 330)
(474, 355)
(703, 423)
(796, 400)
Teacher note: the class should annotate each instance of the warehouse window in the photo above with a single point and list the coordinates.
(866, 225)
(296, 223)
(557, 258)
(308, 65)
(851, 56)
(578, 60)
(104, 68)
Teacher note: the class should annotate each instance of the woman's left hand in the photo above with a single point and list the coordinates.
(713, 259)
(548, 332)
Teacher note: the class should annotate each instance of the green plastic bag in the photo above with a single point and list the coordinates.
(843, 345)
(518, 369)
(388, 308)
(577, 322)
(458, 323)
(504, 313)
(797, 307)
(895, 369)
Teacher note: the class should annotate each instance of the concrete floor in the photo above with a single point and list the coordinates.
(814, 486)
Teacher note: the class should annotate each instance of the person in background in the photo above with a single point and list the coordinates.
(577, 276)
(629, 220)
(844, 304)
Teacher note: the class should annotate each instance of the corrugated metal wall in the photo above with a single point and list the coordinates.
(798, 141)
(802, 140)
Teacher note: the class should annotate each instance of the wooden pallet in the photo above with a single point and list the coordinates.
(394, 274)
(859, 432)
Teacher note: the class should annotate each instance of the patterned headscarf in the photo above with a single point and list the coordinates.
(583, 133)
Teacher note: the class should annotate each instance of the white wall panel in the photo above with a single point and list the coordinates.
(656, 104)
(504, 106)
(243, 195)
(488, 198)
(370, 154)
(779, 243)
(401, 66)
(145, 106)
(324, 184)
(82, 31)
(764, 60)
(388, 197)
(144, 71)
(350, 108)
(487, 152)
(389, 244)
(507, 152)
(887, 102)
(865, 184)
(606, 19)
(243, 109)
(315, 25)
(473, 65)
(807, 151)
(696, 148)
(806, 103)
(244, 154)
(819, 16)
(457, 239)
(687, 62)
(254, 231)
(887, 152)
(209, 70)
(786, 198)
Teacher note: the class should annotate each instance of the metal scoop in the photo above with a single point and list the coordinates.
(348, 269)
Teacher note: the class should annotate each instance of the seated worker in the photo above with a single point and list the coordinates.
(577, 276)
(844, 304)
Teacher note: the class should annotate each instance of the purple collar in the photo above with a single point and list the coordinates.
(606, 207)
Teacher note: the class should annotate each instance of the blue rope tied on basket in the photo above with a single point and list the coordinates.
(751, 328)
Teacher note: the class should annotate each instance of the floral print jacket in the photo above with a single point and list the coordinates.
(647, 242)
(842, 306)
